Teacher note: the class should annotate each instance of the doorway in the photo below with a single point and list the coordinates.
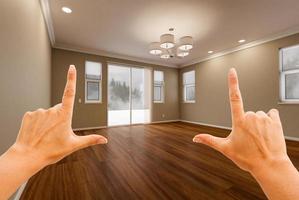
(129, 95)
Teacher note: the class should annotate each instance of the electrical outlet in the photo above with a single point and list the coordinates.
(163, 115)
(79, 100)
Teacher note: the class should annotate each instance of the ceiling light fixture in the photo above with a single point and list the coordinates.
(210, 52)
(182, 53)
(154, 48)
(241, 41)
(167, 41)
(165, 55)
(167, 48)
(186, 43)
(66, 10)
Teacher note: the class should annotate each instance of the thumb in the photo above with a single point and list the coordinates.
(89, 140)
(216, 143)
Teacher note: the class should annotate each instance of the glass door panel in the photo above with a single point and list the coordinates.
(140, 95)
(119, 95)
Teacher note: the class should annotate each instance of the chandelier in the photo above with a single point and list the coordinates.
(167, 48)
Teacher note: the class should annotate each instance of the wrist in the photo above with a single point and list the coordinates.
(17, 165)
(270, 166)
(26, 157)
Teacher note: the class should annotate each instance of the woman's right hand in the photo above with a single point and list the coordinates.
(256, 144)
(256, 139)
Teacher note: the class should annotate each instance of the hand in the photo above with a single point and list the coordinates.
(256, 140)
(46, 135)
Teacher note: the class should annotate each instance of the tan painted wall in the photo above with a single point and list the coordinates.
(258, 70)
(95, 115)
(25, 63)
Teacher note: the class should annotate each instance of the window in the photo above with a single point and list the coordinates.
(289, 74)
(158, 86)
(93, 80)
(189, 86)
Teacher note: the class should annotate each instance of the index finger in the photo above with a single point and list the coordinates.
(69, 91)
(236, 103)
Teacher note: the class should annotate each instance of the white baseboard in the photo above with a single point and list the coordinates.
(291, 138)
(205, 124)
(124, 125)
(20, 191)
(89, 128)
(165, 121)
(101, 127)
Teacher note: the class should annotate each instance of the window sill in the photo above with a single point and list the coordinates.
(159, 102)
(188, 101)
(92, 102)
(288, 102)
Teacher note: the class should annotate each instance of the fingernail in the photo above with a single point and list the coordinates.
(196, 139)
(232, 70)
(102, 141)
(72, 67)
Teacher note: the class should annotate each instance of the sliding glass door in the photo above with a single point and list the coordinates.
(129, 96)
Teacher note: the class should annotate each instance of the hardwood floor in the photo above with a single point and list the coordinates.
(157, 161)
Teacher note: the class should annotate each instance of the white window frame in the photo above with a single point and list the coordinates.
(162, 86)
(99, 81)
(282, 75)
(188, 85)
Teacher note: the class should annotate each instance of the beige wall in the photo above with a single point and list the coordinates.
(95, 115)
(25, 63)
(258, 70)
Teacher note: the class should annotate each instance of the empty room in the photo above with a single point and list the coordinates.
(148, 99)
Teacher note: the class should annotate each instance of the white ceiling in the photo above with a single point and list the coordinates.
(125, 28)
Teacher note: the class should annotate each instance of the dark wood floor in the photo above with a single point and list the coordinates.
(147, 162)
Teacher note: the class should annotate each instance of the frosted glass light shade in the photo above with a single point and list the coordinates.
(165, 56)
(167, 41)
(181, 53)
(66, 10)
(155, 49)
(186, 43)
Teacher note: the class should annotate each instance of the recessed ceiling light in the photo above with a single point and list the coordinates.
(66, 10)
(242, 40)
(210, 52)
